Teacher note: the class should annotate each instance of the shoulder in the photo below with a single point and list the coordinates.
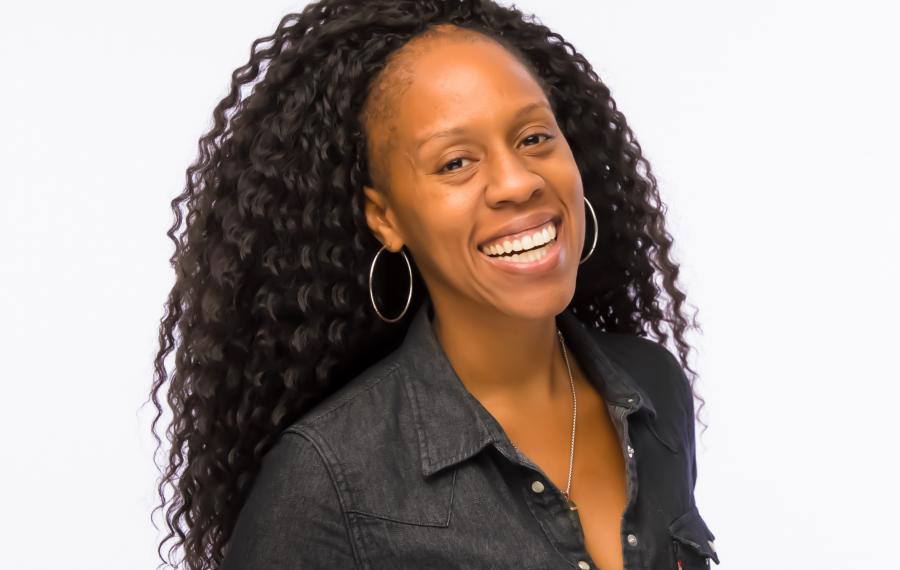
(292, 517)
(636, 349)
(359, 404)
(368, 439)
(652, 366)
(355, 394)
(364, 430)
(294, 457)
(295, 515)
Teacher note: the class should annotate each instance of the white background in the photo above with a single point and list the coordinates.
(772, 127)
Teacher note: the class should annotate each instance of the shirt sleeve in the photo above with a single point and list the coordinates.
(687, 398)
(292, 518)
(692, 444)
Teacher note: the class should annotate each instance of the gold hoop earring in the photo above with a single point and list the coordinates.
(372, 294)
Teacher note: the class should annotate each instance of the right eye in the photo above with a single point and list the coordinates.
(451, 162)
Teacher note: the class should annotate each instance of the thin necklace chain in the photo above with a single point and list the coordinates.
(574, 414)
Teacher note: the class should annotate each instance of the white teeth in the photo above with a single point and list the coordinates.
(541, 237)
(528, 256)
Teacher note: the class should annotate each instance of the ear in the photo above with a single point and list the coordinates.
(379, 217)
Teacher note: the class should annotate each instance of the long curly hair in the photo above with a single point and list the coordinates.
(269, 313)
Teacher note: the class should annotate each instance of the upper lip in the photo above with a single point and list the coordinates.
(522, 223)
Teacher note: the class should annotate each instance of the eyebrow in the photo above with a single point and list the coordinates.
(459, 130)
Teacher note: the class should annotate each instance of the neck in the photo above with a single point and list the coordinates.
(504, 360)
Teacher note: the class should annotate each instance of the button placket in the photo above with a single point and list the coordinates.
(540, 506)
(621, 416)
(538, 487)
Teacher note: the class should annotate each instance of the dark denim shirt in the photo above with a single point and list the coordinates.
(404, 468)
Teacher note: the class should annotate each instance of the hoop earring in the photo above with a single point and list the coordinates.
(372, 294)
(596, 231)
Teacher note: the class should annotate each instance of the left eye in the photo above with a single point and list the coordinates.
(547, 137)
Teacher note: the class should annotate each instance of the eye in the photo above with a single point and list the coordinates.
(548, 137)
(454, 161)
(457, 161)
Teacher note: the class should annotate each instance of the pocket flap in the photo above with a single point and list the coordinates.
(691, 530)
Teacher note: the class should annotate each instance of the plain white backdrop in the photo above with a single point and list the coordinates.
(772, 127)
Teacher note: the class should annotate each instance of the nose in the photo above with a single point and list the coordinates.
(511, 180)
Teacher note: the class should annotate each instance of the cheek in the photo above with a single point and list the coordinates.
(570, 184)
(445, 222)
(568, 173)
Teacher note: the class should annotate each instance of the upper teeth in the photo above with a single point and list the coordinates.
(539, 237)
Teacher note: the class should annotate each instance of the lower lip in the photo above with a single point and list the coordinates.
(543, 265)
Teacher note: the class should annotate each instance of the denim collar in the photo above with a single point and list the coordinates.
(451, 423)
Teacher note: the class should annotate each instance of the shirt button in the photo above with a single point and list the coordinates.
(630, 451)
(632, 540)
(537, 487)
(583, 565)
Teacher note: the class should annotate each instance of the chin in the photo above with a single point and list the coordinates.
(538, 305)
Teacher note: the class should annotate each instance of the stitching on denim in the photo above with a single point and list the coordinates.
(350, 397)
(692, 519)
(413, 396)
(446, 522)
(358, 556)
(464, 455)
(395, 520)
(452, 493)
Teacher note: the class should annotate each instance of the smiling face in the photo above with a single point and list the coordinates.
(465, 150)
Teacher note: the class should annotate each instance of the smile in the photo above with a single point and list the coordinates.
(530, 252)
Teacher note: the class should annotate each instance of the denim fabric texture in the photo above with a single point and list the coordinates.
(404, 468)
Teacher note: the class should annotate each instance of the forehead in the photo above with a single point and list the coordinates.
(449, 80)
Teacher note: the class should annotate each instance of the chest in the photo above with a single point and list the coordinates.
(598, 484)
(485, 508)
(601, 496)
(492, 510)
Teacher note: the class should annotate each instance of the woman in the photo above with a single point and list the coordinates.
(418, 268)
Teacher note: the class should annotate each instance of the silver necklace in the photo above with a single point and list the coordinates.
(572, 506)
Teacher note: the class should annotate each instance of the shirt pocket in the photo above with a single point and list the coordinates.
(693, 544)
(401, 524)
(406, 501)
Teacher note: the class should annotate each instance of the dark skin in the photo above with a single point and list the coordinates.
(442, 199)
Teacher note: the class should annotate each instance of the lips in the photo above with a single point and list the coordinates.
(522, 241)
(544, 265)
(521, 225)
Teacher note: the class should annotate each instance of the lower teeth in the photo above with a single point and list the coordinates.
(528, 256)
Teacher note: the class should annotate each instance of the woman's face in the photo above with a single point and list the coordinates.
(471, 153)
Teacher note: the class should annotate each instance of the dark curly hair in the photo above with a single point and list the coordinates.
(270, 306)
